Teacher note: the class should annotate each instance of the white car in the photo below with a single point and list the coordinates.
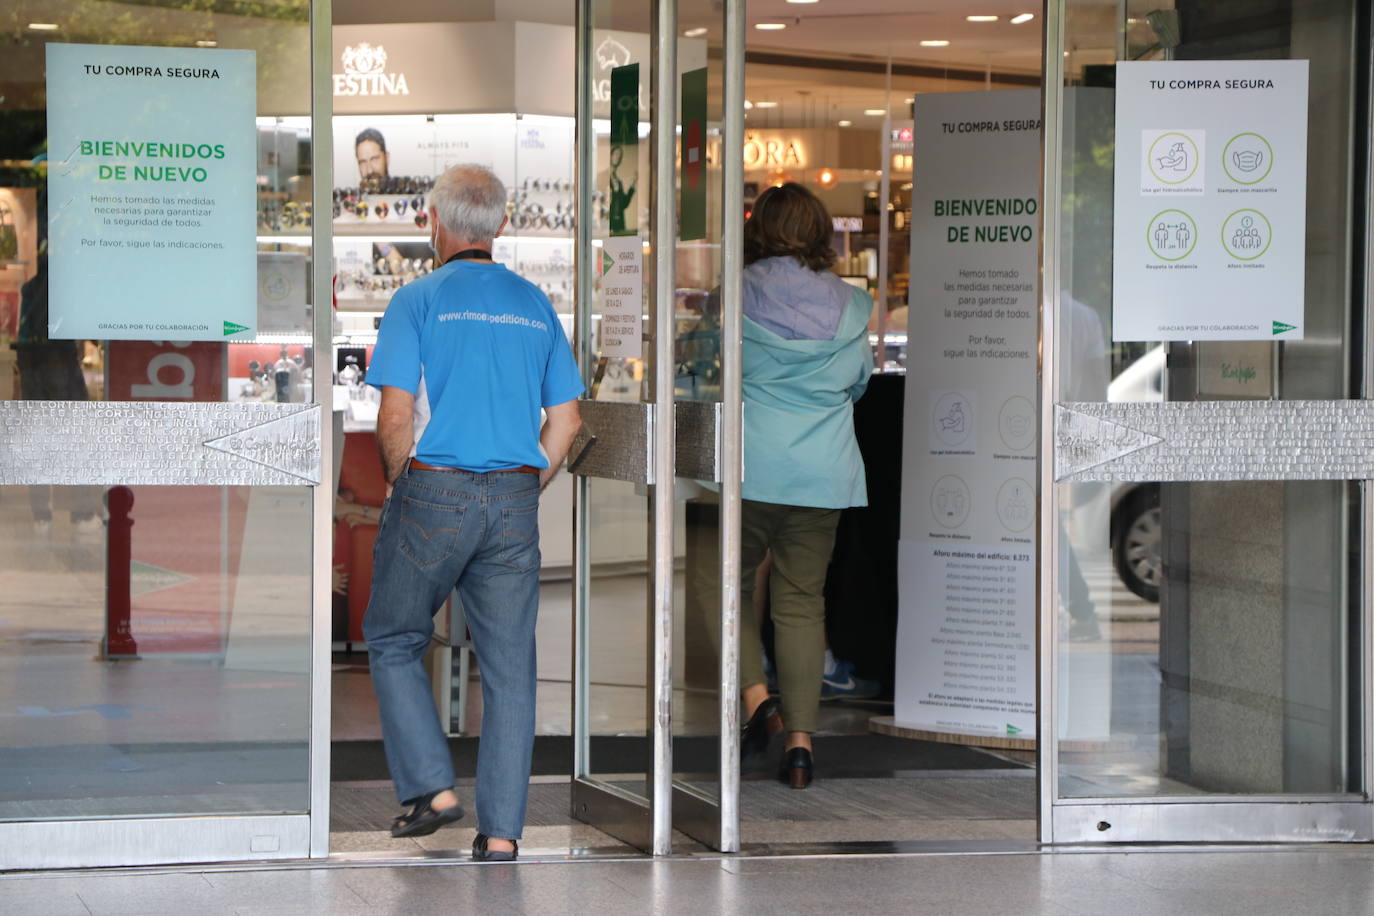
(1135, 525)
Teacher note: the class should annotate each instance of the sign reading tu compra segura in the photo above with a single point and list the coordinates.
(1210, 200)
(151, 193)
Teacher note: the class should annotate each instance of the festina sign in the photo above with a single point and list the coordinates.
(364, 73)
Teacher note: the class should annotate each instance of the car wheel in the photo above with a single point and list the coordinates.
(1136, 544)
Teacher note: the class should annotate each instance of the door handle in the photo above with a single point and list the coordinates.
(575, 463)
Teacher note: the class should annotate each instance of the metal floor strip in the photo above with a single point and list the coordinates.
(593, 856)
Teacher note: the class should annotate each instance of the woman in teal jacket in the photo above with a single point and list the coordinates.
(807, 359)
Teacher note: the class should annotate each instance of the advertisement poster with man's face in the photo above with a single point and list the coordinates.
(393, 147)
(384, 166)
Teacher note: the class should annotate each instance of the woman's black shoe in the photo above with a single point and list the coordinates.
(796, 767)
(762, 725)
(481, 852)
(423, 819)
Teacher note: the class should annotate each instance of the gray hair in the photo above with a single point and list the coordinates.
(470, 202)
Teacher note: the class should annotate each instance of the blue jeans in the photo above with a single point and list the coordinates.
(479, 532)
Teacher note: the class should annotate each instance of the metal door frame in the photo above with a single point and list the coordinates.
(1231, 818)
(322, 294)
(153, 840)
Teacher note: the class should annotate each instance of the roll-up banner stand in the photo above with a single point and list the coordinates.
(966, 631)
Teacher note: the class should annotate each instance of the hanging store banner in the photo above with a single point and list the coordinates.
(966, 625)
(1211, 200)
(622, 297)
(152, 175)
(623, 177)
(692, 209)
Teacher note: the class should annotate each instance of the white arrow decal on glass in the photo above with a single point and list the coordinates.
(288, 444)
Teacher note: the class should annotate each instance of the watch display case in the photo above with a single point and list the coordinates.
(390, 162)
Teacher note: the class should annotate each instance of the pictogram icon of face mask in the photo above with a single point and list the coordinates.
(1247, 160)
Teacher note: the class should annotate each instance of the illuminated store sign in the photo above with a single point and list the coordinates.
(364, 73)
(766, 152)
(611, 54)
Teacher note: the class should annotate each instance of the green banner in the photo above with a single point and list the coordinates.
(623, 175)
(692, 204)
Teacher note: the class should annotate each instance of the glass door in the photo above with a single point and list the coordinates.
(652, 517)
(623, 541)
(1205, 518)
(164, 678)
(707, 356)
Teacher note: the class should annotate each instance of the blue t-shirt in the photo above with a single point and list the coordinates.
(482, 350)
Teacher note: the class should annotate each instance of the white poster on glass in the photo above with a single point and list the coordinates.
(283, 280)
(622, 297)
(966, 625)
(152, 193)
(1210, 200)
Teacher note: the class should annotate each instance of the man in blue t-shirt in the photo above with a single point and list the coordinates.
(466, 358)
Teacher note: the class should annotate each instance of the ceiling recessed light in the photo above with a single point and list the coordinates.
(43, 26)
(935, 43)
(765, 104)
(770, 26)
(695, 33)
(981, 18)
(875, 112)
(207, 43)
(1022, 17)
(846, 123)
(748, 104)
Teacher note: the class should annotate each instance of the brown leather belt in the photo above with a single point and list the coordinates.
(419, 465)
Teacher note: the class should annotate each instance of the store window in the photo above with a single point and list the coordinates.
(155, 260)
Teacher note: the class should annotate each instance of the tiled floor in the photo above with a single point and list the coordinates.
(935, 806)
(1323, 881)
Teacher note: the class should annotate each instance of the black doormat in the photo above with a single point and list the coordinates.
(841, 756)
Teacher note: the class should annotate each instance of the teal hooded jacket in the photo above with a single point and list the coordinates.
(807, 359)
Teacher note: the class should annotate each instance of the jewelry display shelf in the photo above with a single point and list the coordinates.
(380, 230)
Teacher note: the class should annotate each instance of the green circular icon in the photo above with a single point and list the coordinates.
(1177, 157)
(1171, 235)
(1247, 155)
(1241, 236)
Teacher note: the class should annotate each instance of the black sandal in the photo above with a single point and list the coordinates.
(481, 853)
(423, 819)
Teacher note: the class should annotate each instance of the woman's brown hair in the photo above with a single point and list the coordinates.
(790, 221)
